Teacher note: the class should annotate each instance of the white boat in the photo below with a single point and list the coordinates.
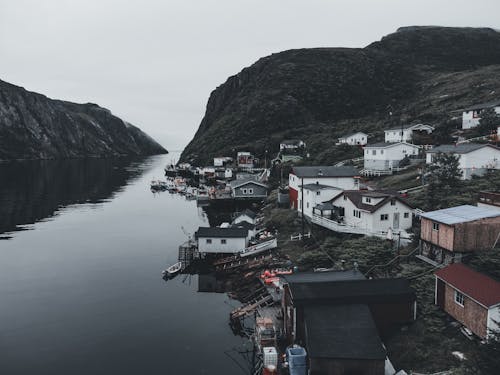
(173, 270)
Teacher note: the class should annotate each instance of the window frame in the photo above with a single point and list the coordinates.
(208, 241)
(223, 241)
(384, 217)
(435, 226)
(459, 298)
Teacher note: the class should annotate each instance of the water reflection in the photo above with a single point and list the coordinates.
(31, 191)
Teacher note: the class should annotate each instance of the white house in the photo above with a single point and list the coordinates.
(365, 212)
(472, 115)
(217, 240)
(343, 178)
(291, 144)
(313, 195)
(386, 156)
(473, 158)
(353, 139)
(245, 160)
(221, 161)
(405, 133)
(248, 189)
(248, 215)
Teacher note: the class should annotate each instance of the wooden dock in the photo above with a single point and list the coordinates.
(250, 307)
(233, 263)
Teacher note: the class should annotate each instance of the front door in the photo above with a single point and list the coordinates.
(395, 221)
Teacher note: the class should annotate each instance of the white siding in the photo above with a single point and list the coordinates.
(470, 119)
(385, 158)
(355, 139)
(312, 198)
(393, 135)
(343, 183)
(232, 245)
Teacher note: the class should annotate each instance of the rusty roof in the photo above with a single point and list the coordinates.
(479, 287)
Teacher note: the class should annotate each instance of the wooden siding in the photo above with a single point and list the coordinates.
(442, 237)
(321, 366)
(472, 315)
(462, 237)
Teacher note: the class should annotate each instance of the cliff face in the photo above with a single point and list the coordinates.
(417, 73)
(33, 126)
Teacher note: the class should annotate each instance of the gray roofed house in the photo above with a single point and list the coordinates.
(248, 189)
(221, 232)
(345, 332)
(461, 148)
(325, 171)
(460, 214)
(471, 116)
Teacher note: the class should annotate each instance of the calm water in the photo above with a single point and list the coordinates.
(81, 289)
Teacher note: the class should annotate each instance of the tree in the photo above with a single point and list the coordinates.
(443, 178)
(487, 360)
(490, 120)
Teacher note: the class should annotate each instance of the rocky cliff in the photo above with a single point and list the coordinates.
(33, 126)
(415, 74)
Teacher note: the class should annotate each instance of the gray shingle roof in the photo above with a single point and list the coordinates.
(342, 332)
(355, 196)
(492, 104)
(318, 277)
(221, 232)
(389, 144)
(462, 148)
(460, 214)
(314, 187)
(325, 171)
(245, 181)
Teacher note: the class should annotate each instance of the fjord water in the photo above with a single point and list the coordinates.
(81, 289)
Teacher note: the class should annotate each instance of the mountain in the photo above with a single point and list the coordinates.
(33, 126)
(415, 74)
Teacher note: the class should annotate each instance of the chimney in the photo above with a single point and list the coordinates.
(320, 172)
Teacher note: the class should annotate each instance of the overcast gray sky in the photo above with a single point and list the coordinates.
(154, 63)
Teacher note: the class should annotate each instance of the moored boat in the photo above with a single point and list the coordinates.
(173, 270)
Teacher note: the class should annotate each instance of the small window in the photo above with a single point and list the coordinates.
(250, 191)
(223, 241)
(368, 200)
(318, 193)
(357, 213)
(381, 152)
(384, 217)
(459, 298)
(393, 202)
(406, 215)
(307, 192)
(345, 197)
(243, 191)
(307, 204)
(435, 226)
(209, 240)
(374, 152)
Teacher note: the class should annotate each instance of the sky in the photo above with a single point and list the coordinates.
(154, 63)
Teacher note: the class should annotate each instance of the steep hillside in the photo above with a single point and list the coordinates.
(33, 126)
(417, 74)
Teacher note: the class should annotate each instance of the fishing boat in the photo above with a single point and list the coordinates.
(173, 270)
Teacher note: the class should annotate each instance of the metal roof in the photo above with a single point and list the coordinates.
(221, 232)
(245, 181)
(325, 171)
(462, 148)
(492, 104)
(460, 214)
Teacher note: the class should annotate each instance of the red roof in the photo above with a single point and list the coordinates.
(477, 286)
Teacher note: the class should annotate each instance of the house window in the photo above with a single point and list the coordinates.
(307, 192)
(393, 202)
(374, 152)
(243, 191)
(381, 152)
(406, 215)
(384, 217)
(357, 213)
(223, 241)
(368, 200)
(209, 240)
(318, 193)
(250, 191)
(307, 204)
(435, 226)
(345, 197)
(459, 298)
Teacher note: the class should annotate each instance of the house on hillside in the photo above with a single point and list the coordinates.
(338, 316)
(364, 212)
(248, 189)
(216, 240)
(222, 161)
(353, 139)
(388, 156)
(473, 158)
(313, 195)
(469, 297)
(245, 160)
(340, 177)
(407, 133)
(472, 115)
(247, 215)
(292, 144)
(447, 234)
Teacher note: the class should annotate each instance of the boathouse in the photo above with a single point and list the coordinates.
(215, 240)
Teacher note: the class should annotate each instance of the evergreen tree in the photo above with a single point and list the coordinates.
(489, 121)
(443, 178)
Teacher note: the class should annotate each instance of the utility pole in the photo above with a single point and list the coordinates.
(302, 204)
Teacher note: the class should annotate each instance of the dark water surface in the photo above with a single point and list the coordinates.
(81, 289)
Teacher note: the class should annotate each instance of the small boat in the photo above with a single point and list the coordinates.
(172, 270)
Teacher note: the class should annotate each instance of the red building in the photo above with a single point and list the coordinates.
(469, 297)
